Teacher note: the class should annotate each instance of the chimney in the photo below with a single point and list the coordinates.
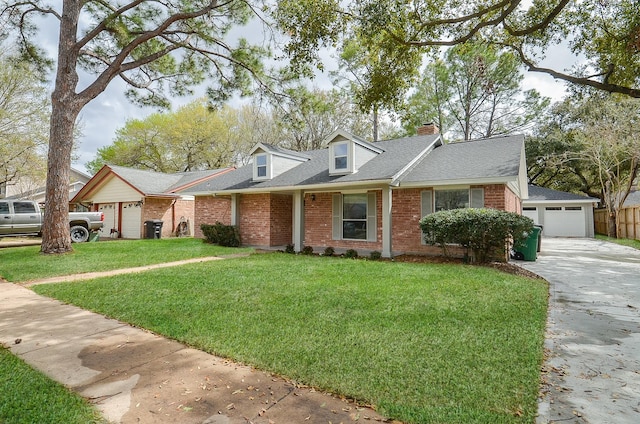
(428, 129)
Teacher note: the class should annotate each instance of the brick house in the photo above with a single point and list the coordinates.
(353, 194)
(129, 197)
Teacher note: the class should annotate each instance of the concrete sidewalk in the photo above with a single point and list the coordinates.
(133, 376)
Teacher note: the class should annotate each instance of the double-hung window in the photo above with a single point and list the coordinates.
(354, 217)
(261, 166)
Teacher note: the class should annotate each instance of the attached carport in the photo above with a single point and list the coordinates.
(561, 214)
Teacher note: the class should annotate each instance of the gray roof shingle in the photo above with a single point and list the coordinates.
(151, 182)
(491, 157)
(496, 157)
(546, 194)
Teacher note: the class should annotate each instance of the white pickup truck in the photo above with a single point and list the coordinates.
(24, 218)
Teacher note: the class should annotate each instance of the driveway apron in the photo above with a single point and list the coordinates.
(592, 372)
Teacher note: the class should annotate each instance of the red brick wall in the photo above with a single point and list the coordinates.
(157, 209)
(209, 210)
(169, 211)
(318, 224)
(281, 220)
(254, 220)
(186, 209)
(499, 196)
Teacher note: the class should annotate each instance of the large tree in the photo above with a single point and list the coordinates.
(194, 137)
(474, 92)
(607, 33)
(24, 117)
(305, 117)
(156, 47)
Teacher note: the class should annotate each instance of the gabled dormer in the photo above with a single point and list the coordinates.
(270, 161)
(347, 152)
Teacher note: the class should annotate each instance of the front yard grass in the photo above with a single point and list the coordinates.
(26, 263)
(27, 397)
(436, 343)
(624, 242)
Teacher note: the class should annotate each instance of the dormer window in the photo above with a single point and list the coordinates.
(347, 153)
(269, 161)
(340, 158)
(261, 167)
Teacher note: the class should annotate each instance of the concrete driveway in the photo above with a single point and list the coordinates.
(592, 372)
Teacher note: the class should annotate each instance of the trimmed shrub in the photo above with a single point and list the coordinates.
(307, 250)
(375, 255)
(223, 235)
(351, 254)
(485, 233)
(290, 249)
(329, 251)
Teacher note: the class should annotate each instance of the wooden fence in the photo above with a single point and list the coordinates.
(628, 222)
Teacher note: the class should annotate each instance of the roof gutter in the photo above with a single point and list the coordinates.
(306, 188)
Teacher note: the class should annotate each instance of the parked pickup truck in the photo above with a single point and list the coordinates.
(24, 218)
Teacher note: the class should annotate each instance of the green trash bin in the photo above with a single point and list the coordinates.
(529, 246)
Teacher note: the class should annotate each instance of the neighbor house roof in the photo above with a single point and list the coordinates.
(406, 160)
(546, 195)
(148, 183)
(633, 199)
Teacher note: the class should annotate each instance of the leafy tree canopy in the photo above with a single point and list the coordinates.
(192, 138)
(473, 92)
(24, 117)
(395, 35)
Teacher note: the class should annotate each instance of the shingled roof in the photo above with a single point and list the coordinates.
(543, 194)
(405, 161)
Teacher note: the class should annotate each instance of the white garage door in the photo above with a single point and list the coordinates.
(531, 213)
(564, 221)
(131, 216)
(110, 218)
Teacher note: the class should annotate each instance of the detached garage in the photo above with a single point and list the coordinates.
(560, 214)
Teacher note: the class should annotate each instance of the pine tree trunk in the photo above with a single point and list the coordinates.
(65, 107)
(55, 228)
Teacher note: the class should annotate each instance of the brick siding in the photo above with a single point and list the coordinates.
(318, 216)
(209, 210)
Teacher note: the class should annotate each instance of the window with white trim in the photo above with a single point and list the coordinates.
(261, 167)
(341, 162)
(354, 217)
(340, 157)
(439, 200)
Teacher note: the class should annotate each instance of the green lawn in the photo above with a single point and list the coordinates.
(437, 343)
(26, 263)
(27, 397)
(624, 242)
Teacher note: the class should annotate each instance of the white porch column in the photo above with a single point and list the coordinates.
(386, 221)
(234, 209)
(298, 220)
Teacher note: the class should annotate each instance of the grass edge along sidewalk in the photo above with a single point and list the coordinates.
(28, 396)
(444, 343)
